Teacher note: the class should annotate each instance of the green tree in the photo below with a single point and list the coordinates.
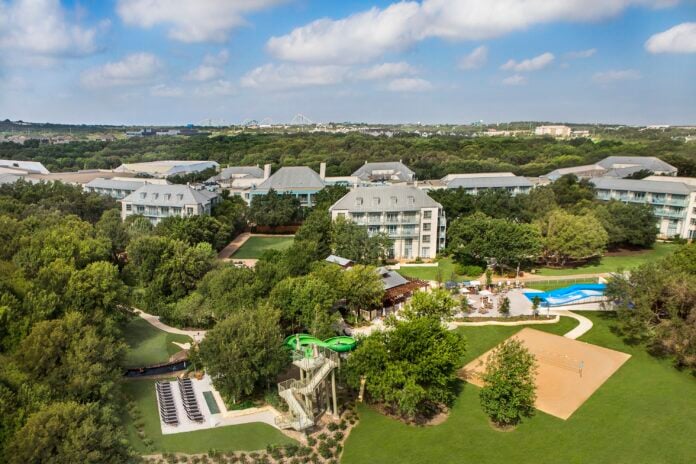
(505, 307)
(194, 230)
(96, 289)
(627, 224)
(410, 368)
(437, 304)
(275, 210)
(363, 288)
(111, 227)
(317, 228)
(352, 241)
(567, 237)
(509, 391)
(306, 302)
(569, 191)
(244, 352)
(69, 432)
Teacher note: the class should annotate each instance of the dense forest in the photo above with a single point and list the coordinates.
(430, 157)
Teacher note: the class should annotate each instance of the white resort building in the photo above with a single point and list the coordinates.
(157, 202)
(406, 214)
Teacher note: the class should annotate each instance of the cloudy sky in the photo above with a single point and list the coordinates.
(184, 61)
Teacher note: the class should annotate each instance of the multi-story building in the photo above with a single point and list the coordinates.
(616, 166)
(553, 131)
(157, 202)
(386, 172)
(301, 182)
(119, 187)
(406, 214)
(474, 184)
(673, 200)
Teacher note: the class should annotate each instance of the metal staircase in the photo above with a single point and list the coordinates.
(315, 363)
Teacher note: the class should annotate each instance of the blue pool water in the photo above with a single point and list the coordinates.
(568, 295)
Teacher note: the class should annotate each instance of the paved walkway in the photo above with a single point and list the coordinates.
(233, 246)
(582, 328)
(196, 335)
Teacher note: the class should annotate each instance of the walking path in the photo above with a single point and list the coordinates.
(582, 328)
(196, 335)
(233, 246)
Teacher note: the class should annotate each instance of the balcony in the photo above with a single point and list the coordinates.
(677, 202)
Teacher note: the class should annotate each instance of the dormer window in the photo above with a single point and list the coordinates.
(393, 201)
(375, 201)
(143, 195)
(359, 201)
(155, 195)
(167, 196)
(179, 196)
(411, 200)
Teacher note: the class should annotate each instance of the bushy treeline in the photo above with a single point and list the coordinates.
(430, 158)
(558, 224)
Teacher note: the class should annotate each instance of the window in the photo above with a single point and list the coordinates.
(425, 238)
(425, 252)
(391, 230)
(393, 201)
(143, 195)
(392, 217)
(129, 207)
(427, 214)
(359, 201)
(180, 196)
(411, 200)
(189, 210)
(155, 195)
(167, 196)
(426, 227)
(140, 209)
(375, 201)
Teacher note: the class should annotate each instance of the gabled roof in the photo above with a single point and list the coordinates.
(32, 167)
(343, 262)
(389, 170)
(489, 182)
(385, 198)
(293, 177)
(648, 186)
(131, 184)
(391, 279)
(169, 195)
(591, 168)
(650, 163)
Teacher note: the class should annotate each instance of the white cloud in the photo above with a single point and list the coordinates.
(134, 69)
(219, 88)
(191, 21)
(370, 34)
(678, 39)
(607, 77)
(279, 77)
(385, 71)
(163, 90)
(528, 65)
(409, 84)
(581, 54)
(40, 27)
(515, 79)
(475, 59)
(210, 69)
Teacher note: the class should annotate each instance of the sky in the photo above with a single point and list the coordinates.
(173, 62)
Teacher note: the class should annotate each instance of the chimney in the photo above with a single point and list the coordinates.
(266, 171)
(322, 171)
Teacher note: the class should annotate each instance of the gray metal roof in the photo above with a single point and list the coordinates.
(291, 178)
(391, 279)
(557, 173)
(646, 162)
(169, 195)
(399, 171)
(489, 182)
(29, 166)
(648, 186)
(385, 198)
(344, 262)
(101, 182)
(238, 171)
(9, 178)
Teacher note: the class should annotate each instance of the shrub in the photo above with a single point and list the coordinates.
(322, 436)
(338, 436)
(332, 426)
(325, 450)
(311, 441)
(468, 270)
(291, 449)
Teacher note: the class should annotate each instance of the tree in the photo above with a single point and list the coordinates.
(317, 228)
(509, 391)
(569, 191)
(536, 301)
(627, 224)
(96, 289)
(275, 210)
(567, 237)
(244, 352)
(194, 230)
(111, 227)
(363, 288)
(504, 309)
(437, 304)
(352, 241)
(306, 302)
(70, 432)
(411, 368)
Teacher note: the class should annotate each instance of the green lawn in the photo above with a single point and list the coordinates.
(253, 436)
(546, 285)
(148, 345)
(443, 272)
(255, 246)
(645, 413)
(613, 263)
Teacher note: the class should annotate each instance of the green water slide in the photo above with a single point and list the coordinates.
(339, 344)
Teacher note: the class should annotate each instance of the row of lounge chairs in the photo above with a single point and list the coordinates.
(189, 398)
(167, 408)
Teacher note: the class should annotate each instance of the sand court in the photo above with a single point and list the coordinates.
(568, 371)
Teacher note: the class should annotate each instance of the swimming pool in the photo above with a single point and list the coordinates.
(568, 295)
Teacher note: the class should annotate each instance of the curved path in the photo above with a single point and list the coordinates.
(196, 335)
(582, 328)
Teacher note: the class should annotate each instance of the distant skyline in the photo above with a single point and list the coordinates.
(173, 62)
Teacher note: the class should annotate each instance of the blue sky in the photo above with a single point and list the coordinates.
(448, 61)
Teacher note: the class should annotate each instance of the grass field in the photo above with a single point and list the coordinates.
(546, 285)
(231, 438)
(255, 246)
(645, 413)
(148, 345)
(443, 272)
(613, 263)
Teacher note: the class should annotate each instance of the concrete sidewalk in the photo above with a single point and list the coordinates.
(233, 246)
